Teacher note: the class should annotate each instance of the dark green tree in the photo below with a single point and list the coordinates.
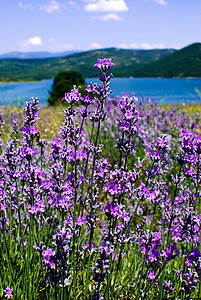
(63, 83)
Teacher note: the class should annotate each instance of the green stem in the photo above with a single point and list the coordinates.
(173, 202)
(142, 271)
(149, 286)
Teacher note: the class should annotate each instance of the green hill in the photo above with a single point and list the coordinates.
(183, 63)
(37, 69)
(137, 63)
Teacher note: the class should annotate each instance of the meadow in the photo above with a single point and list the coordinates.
(101, 199)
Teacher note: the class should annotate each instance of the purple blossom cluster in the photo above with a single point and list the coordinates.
(77, 222)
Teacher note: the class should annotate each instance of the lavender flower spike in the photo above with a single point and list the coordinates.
(8, 292)
(73, 97)
(104, 64)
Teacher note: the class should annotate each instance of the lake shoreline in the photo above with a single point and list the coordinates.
(130, 77)
(162, 90)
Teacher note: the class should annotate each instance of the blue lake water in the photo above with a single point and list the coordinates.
(164, 90)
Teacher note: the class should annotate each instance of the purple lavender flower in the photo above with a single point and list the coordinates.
(102, 263)
(169, 252)
(190, 281)
(8, 292)
(72, 97)
(48, 255)
(92, 88)
(152, 274)
(104, 64)
(31, 112)
(187, 140)
(130, 119)
(192, 257)
(168, 286)
(150, 247)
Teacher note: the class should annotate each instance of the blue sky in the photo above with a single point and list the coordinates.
(62, 25)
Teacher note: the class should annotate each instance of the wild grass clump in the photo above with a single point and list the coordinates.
(109, 208)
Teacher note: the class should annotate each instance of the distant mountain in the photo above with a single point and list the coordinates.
(128, 63)
(38, 55)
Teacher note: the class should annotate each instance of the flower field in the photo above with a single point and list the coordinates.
(105, 205)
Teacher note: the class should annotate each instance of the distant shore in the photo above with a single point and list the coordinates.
(131, 77)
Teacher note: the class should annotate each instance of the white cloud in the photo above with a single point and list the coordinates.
(177, 46)
(123, 46)
(67, 47)
(95, 46)
(21, 5)
(144, 46)
(152, 46)
(106, 6)
(52, 6)
(134, 46)
(164, 30)
(128, 46)
(108, 17)
(34, 41)
(73, 4)
(161, 2)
